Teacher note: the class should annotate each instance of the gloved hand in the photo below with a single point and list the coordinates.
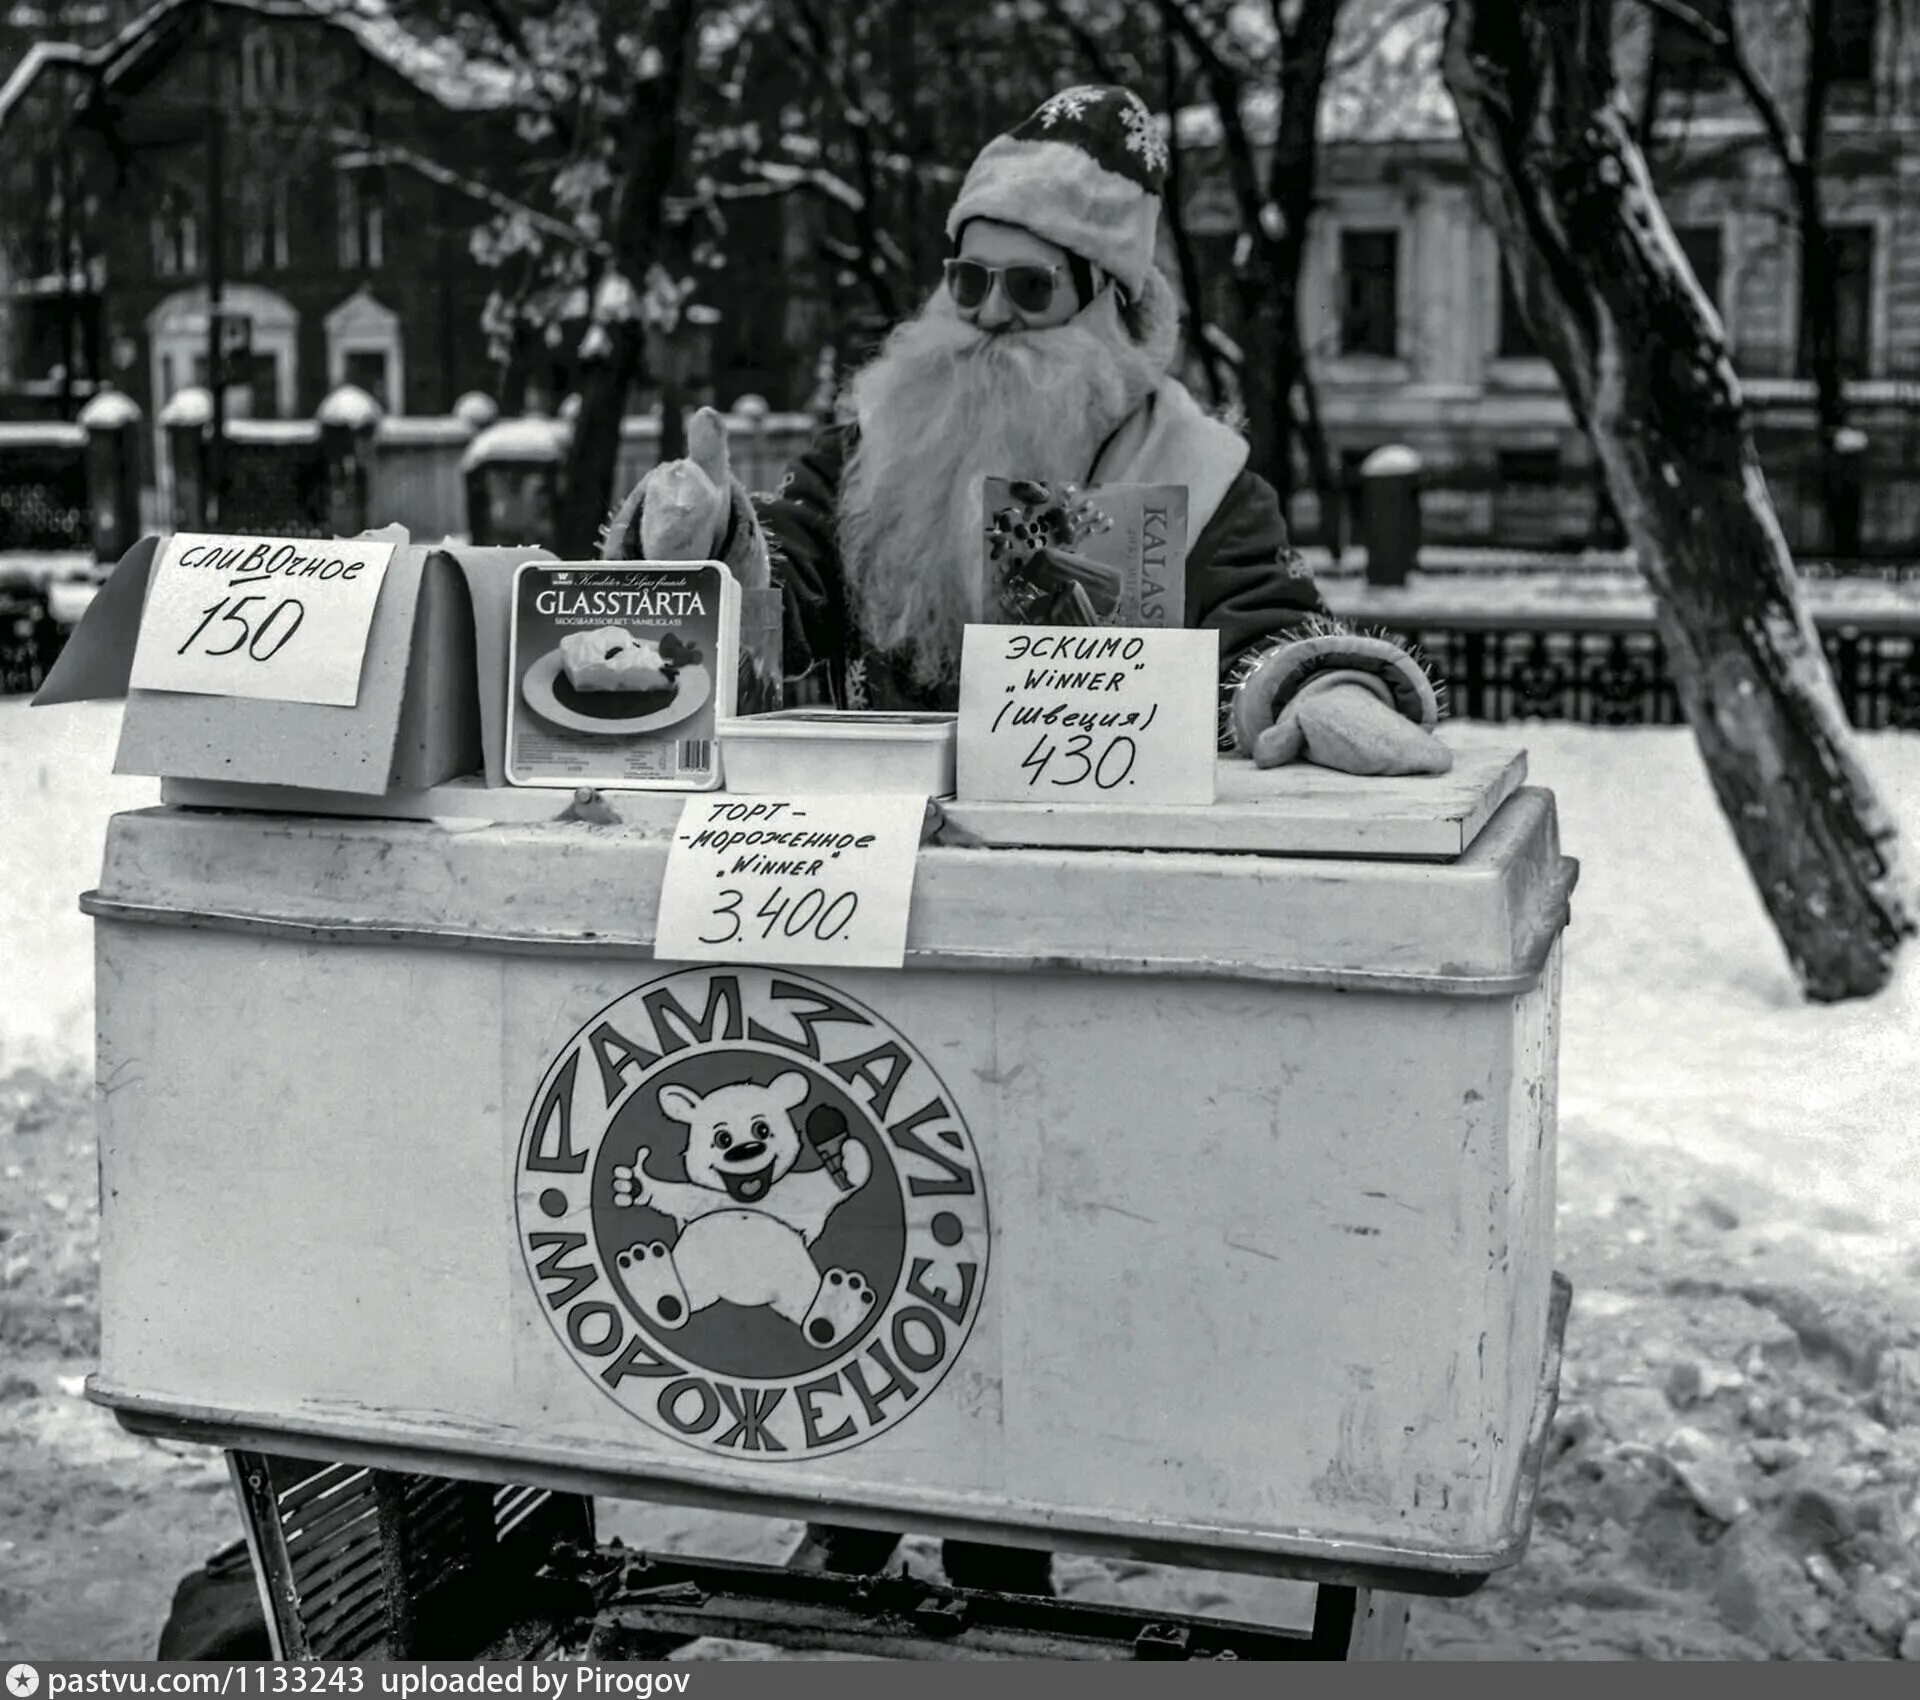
(1343, 700)
(1339, 721)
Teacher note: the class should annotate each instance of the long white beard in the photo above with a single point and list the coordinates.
(942, 408)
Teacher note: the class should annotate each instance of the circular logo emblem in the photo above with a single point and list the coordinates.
(752, 1212)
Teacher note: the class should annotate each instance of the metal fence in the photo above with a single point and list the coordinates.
(43, 487)
(1618, 676)
(275, 480)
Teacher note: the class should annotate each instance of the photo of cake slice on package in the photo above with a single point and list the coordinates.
(618, 671)
(1085, 555)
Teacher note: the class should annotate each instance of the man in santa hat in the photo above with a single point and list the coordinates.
(1045, 355)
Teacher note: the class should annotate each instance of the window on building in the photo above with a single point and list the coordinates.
(264, 226)
(1516, 341)
(368, 368)
(1850, 33)
(266, 67)
(1851, 246)
(1702, 245)
(363, 221)
(175, 232)
(1683, 59)
(1370, 292)
(1529, 466)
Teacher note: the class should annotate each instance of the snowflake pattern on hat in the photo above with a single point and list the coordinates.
(1112, 124)
(1143, 134)
(1069, 103)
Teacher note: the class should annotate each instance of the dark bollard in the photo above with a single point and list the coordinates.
(1390, 513)
(112, 421)
(512, 474)
(185, 420)
(349, 418)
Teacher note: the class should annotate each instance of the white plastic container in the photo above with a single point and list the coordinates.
(827, 750)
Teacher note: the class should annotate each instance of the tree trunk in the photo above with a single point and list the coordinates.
(640, 219)
(1819, 294)
(1611, 301)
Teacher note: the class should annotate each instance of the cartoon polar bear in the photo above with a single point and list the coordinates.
(746, 1218)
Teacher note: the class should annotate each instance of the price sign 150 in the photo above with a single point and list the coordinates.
(263, 634)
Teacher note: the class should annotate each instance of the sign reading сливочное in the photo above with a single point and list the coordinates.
(282, 619)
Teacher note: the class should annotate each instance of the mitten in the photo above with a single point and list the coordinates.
(1344, 700)
(692, 510)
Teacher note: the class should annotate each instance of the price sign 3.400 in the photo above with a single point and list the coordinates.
(790, 880)
(265, 617)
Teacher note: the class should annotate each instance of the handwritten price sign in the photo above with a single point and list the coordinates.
(1075, 714)
(267, 617)
(823, 880)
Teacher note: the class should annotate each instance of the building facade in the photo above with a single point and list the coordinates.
(1410, 327)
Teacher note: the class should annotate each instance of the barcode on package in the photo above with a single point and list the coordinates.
(696, 754)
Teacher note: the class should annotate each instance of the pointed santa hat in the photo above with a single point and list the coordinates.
(1085, 172)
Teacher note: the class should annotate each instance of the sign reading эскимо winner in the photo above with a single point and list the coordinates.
(1077, 714)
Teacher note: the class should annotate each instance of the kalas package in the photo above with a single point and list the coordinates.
(1085, 554)
(617, 672)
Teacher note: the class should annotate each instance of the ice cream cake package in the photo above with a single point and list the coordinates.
(617, 672)
(1085, 554)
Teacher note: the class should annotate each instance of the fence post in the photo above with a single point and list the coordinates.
(1390, 513)
(476, 411)
(112, 421)
(512, 473)
(185, 420)
(348, 419)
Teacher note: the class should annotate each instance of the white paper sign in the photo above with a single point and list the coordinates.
(1081, 714)
(824, 880)
(273, 617)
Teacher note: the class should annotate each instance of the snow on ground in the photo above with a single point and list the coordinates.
(57, 788)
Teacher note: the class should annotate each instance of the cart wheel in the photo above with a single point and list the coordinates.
(216, 1612)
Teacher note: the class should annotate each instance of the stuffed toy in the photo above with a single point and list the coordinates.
(691, 510)
(694, 509)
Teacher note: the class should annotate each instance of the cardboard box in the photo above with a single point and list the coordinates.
(423, 716)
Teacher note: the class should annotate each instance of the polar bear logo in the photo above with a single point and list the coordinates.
(747, 1219)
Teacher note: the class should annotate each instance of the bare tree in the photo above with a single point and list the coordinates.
(1800, 151)
(1281, 58)
(1640, 355)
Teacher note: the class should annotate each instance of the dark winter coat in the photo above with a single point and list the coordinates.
(1242, 579)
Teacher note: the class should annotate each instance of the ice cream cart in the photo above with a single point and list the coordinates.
(1191, 1199)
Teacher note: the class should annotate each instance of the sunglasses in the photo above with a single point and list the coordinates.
(1030, 288)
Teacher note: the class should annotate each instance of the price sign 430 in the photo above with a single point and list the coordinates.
(263, 635)
(1078, 762)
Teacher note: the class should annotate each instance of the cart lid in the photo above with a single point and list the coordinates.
(1300, 810)
(1482, 922)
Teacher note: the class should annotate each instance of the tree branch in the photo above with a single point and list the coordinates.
(1733, 54)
